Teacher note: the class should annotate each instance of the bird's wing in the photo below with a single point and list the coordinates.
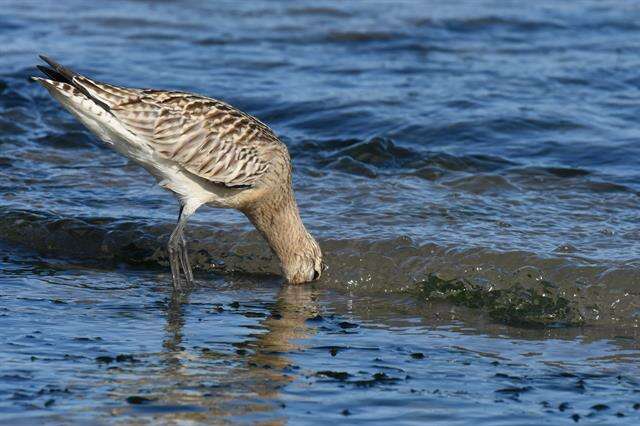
(206, 137)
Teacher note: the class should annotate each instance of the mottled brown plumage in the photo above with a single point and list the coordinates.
(205, 136)
(205, 151)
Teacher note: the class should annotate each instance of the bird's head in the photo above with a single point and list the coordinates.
(305, 264)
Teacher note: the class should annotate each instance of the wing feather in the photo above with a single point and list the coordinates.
(205, 136)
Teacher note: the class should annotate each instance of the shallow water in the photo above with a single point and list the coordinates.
(469, 168)
(113, 346)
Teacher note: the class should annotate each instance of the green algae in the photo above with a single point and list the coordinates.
(541, 306)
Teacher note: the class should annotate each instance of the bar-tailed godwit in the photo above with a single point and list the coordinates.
(204, 151)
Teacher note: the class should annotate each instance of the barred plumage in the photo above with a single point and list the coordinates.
(207, 137)
(202, 149)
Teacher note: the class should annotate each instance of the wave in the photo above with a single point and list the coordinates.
(487, 23)
(476, 173)
(319, 11)
(514, 287)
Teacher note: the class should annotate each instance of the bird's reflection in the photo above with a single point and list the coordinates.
(286, 327)
(249, 379)
(175, 323)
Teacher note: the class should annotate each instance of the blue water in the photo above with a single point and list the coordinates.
(489, 141)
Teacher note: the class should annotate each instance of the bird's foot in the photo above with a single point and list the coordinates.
(180, 266)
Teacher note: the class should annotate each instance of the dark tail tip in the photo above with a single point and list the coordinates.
(53, 74)
(61, 71)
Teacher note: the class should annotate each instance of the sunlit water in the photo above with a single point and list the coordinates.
(470, 170)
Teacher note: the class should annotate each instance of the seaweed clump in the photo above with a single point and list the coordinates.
(540, 306)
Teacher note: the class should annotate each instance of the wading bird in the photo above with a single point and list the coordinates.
(204, 151)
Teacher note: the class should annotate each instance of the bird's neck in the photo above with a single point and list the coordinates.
(277, 218)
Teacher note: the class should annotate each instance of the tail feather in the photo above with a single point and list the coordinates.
(105, 95)
(64, 72)
(58, 87)
(64, 75)
(90, 113)
(87, 99)
(56, 76)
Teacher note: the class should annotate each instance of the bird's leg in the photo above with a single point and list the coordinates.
(184, 261)
(174, 261)
(177, 250)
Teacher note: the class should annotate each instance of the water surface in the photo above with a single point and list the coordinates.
(469, 168)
